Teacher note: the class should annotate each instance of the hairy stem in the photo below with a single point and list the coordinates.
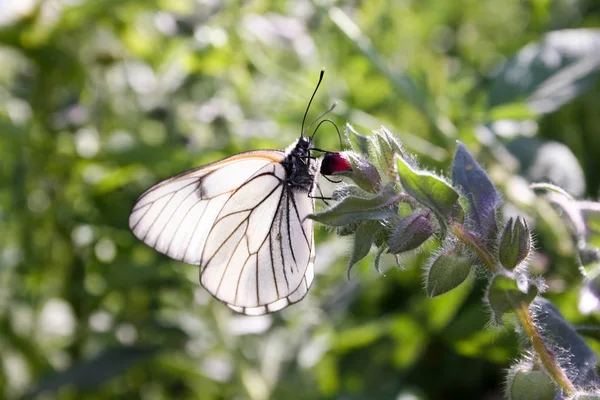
(545, 355)
(531, 331)
(475, 244)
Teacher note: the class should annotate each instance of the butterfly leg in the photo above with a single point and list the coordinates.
(321, 197)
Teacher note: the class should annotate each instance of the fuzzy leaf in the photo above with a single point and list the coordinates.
(479, 190)
(385, 152)
(353, 208)
(428, 189)
(387, 146)
(363, 240)
(359, 143)
(504, 296)
(448, 270)
(582, 359)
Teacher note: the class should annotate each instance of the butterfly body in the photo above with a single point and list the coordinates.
(301, 169)
(243, 220)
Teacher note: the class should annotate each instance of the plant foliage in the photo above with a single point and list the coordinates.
(99, 99)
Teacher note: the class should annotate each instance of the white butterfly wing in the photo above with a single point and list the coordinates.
(259, 253)
(238, 220)
(175, 215)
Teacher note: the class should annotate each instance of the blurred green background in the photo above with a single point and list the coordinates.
(99, 99)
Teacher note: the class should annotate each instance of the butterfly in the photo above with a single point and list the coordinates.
(243, 220)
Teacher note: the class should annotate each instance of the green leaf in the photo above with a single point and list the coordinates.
(504, 296)
(353, 208)
(428, 189)
(359, 143)
(363, 240)
(532, 385)
(549, 73)
(448, 270)
(386, 147)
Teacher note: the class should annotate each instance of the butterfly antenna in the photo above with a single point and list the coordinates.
(310, 101)
(333, 106)
(336, 129)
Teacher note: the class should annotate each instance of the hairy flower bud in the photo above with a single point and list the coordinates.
(515, 244)
(353, 166)
(335, 164)
(525, 385)
(447, 270)
(410, 232)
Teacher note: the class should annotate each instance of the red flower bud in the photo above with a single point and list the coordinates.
(354, 166)
(335, 163)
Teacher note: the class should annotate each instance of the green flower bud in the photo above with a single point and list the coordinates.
(527, 385)
(409, 233)
(447, 271)
(515, 244)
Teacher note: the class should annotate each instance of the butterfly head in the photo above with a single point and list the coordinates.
(299, 151)
(303, 146)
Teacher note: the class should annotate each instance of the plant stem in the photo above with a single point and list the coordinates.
(531, 331)
(546, 357)
(522, 311)
(475, 244)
